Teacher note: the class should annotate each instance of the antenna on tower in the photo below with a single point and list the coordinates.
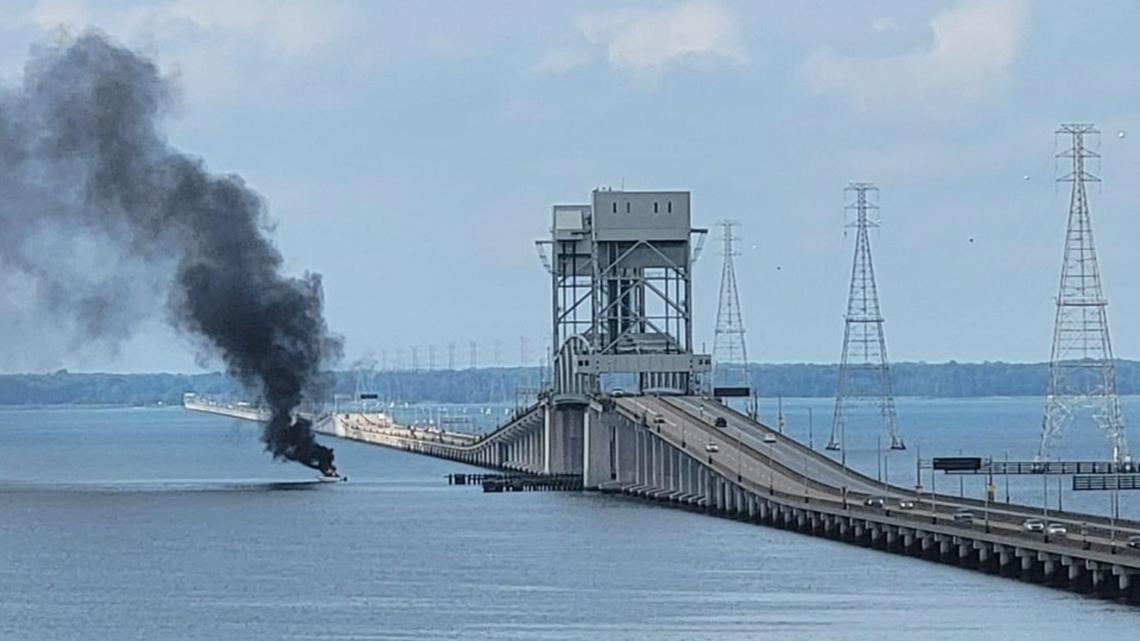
(730, 352)
(864, 373)
(1081, 371)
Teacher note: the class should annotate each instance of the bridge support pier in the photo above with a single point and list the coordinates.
(561, 445)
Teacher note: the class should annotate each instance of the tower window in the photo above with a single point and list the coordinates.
(615, 206)
(627, 206)
(669, 206)
(655, 207)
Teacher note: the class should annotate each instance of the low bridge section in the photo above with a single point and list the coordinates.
(671, 450)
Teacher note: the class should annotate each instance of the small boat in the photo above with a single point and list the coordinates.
(329, 478)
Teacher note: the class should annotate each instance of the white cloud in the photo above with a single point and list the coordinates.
(649, 40)
(213, 47)
(883, 24)
(288, 27)
(562, 59)
(974, 44)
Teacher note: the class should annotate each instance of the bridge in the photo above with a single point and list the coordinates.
(656, 448)
(620, 271)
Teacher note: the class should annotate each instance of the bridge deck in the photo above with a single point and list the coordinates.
(796, 471)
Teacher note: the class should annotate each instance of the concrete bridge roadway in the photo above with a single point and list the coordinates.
(689, 423)
(655, 448)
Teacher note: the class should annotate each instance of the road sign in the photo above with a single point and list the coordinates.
(958, 463)
(732, 392)
(1102, 482)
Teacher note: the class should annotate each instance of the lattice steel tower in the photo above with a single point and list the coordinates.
(864, 373)
(730, 352)
(1081, 371)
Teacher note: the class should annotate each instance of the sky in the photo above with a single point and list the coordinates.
(411, 152)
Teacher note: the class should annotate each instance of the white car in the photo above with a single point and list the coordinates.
(769, 438)
(1056, 528)
(1034, 525)
(712, 447)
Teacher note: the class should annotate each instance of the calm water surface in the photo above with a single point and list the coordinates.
(162, 524)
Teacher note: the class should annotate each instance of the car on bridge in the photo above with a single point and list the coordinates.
(712, 447)
(720, 422)
(769, 437)
(1034, 525)
(1057, 528)
(906, 504)
(875, 501)
(1134, 541)
(964, 517)
(658, 419)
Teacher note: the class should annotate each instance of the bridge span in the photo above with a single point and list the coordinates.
(669, 449)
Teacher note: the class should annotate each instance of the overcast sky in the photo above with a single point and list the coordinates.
(410, 152)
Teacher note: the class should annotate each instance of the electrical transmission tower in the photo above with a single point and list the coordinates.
(864, 373)
(730, 352)
(1081, 371)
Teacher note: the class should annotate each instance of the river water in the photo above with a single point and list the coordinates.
(163, 524)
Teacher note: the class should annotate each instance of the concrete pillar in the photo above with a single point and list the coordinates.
(638, 456)
(1123, 577)
(547, 429)
(686, 473)
(1048, 563)
(597, 450)
(1026, 559)
(706, 487)
(985, 552)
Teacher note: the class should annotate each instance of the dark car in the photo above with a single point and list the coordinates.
(720, 422)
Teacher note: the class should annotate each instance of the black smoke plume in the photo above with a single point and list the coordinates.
(84, 164)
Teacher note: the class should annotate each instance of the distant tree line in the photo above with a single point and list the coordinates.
(491, 385)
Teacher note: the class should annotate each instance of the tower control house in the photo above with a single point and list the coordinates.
(621, 270)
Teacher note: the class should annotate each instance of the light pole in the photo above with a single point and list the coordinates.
(771, 471)
(810, 441)
(1006, 471)
(879, 458)
(739, 447)
(805, 479)
(843, 457)
(961, 482)
(933, 496)
(989, 485)
(1115, 498)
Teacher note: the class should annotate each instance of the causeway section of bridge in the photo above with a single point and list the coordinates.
(657, 448)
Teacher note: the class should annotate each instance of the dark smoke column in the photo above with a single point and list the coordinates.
(82, 140)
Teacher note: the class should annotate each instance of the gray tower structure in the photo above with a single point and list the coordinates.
(864, 372)
(730, 351)
(621, 270)
(1082, 375)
